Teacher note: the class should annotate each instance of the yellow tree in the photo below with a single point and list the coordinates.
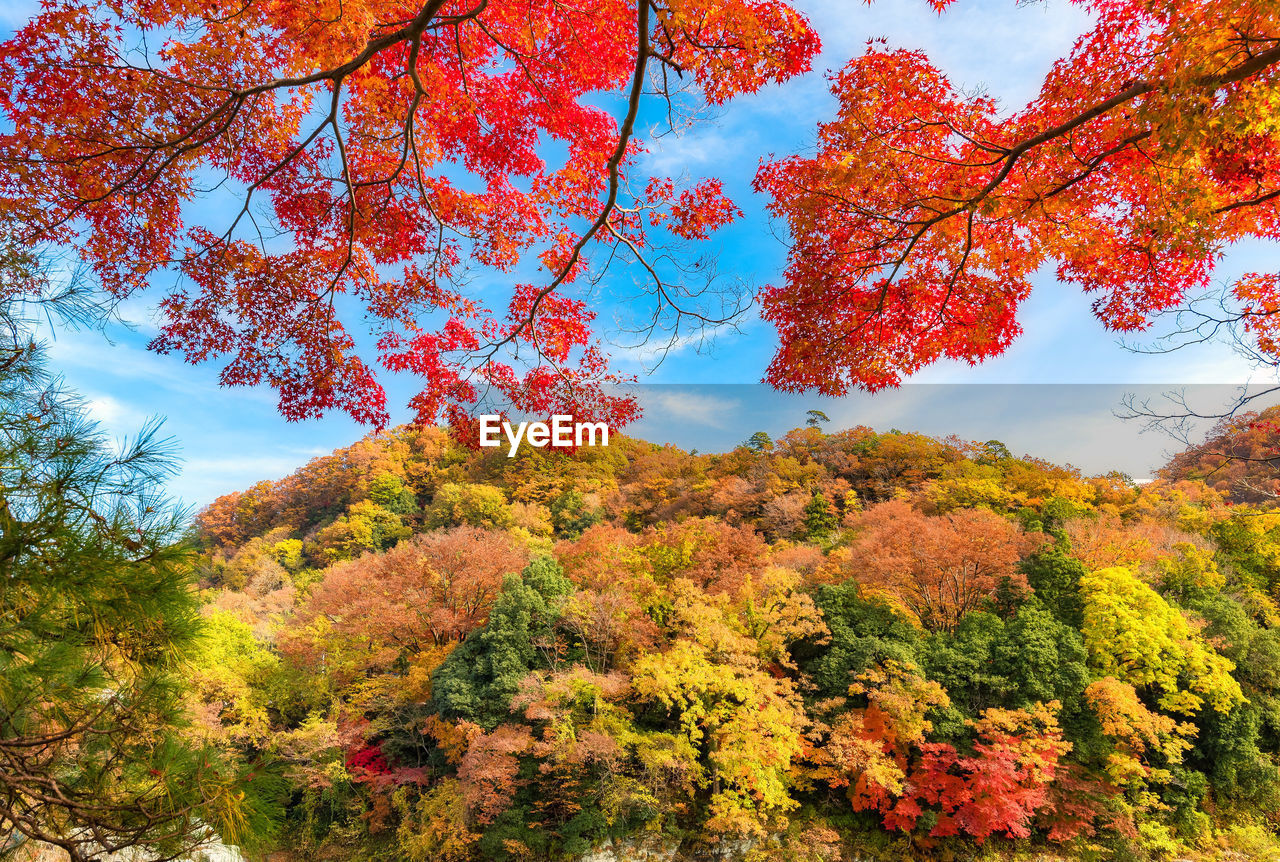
(1133, 634)
(723, 686)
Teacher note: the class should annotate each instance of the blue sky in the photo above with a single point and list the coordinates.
(699, 396)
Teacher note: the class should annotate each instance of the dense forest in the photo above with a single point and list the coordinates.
(836, 645)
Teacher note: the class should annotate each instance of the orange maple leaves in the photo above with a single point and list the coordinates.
(299, 165)
(920, 220)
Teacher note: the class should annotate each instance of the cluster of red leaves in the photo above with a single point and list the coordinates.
(999, 788)
(918, 223)
(373, 153)
(368, 760)
(882, 754)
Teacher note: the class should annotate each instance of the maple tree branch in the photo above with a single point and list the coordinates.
(1250, 202)
(229, 110)
(354, 155)
(913, 231)
(614, 168)
(1096, 162)
(1245, 70)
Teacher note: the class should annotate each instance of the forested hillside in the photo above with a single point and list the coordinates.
(836, 646)
(840, 645)
(1238, 457)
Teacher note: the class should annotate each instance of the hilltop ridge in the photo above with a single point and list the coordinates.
(829, 646)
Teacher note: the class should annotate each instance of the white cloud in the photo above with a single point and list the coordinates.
(115, 416)
(139, 315)
(976, 42)
(696, 407)
(659, 349)
(674, 155)
(89, 360)
(90, 351)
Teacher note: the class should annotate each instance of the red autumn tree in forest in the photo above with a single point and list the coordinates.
(937, 567)
(376, 154)
(882, 756)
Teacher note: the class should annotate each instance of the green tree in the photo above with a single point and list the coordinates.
(570, 514)
(815, 418)
(1011, 664)
(864, 632)
(1044, 657)
(1055, 578)
(390, 492)
(965, 662)
(759, 442)
(100, 624)
(479, 678)
(993, 452)
(819, 518)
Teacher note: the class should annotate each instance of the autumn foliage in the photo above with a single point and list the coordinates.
(374, 155)
(919, 220)
(882, 755)
(428, 591)
(825, 646)
(1237, 458)
(567, 651)
(371, 158)
(940, 567)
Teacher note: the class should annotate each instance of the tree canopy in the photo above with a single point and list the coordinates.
(844, 644)
(370, 158)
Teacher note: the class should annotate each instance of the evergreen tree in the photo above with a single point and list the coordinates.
(759, 442)
(481, 676)
(99, 622)
(864, 632)
(819, 518)
(392, 494)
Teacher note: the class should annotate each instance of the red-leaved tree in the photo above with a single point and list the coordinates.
(297, 165)
(920, 218)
